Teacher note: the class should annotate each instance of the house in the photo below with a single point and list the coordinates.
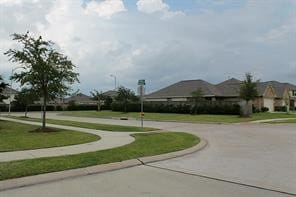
(111, 93)
(10, 94)
(80, 99)
(271, 93)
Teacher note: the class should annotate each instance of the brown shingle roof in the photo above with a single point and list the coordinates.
(228, 88)
(279, 87)
(79, 98)
(184, 89)
(111, 93)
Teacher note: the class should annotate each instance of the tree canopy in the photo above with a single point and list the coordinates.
(248, 88)
(3, 85)
(197, 95)
(125, 96)
(25, 98)
(45, 70)
(248, 92)
(99, 97)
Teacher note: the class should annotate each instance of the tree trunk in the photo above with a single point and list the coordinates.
(246, 109)
(26, 111)
(125, 107)
(99, 105)
(44, 113)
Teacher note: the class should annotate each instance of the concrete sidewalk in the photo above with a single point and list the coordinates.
(272, 120)
(108, 140)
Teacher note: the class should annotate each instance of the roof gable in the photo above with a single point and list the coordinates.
(228, 88)
(184, 89)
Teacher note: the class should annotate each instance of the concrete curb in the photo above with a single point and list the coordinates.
(55, 176)
(271, 120)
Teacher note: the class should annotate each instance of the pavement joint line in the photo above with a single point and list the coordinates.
(222, 180)
(102, 168)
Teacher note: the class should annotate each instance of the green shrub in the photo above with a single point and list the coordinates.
(264, 109)
(280, 108)
(205, 108)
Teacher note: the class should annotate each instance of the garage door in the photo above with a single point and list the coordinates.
(269, 103)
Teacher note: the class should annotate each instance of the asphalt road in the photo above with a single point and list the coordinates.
(140, 181)
(240, 160)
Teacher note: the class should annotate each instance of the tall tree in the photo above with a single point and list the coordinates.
(125, 96)
(197, 97)
(45, 70)
(3, 85)
(99, 97)
(248, 92)
(25, 98)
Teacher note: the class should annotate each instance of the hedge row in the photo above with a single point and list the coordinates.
(52, 108)
(280, 108)
(180, 108)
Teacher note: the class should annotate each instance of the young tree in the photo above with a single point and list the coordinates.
(197, 97)
(25, 98)
(248, 92)
(125, 96)
(3, 85)
(99, 97)
(45, 70)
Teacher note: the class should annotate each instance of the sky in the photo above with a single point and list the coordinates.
(161, 41)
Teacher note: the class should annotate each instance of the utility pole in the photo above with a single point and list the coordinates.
(141, 91)
(114, 80)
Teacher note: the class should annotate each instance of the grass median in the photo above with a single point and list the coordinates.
(104, 127)
(145, 144)
(16, 136)
(180, 117)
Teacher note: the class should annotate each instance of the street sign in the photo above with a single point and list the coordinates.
(141, 82)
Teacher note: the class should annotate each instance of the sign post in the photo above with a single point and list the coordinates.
(141, 91)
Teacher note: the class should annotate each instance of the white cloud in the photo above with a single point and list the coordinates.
(105, 9)
(209, 45)
(153, 6)
(279, 34)
(9, 3)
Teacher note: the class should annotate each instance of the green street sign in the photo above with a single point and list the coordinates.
(141, 82)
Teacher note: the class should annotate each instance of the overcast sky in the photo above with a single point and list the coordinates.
(162, 41)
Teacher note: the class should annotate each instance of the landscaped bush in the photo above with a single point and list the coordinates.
(3, 108)
(231, 109)
(264, 109)
(82, 107)
(210, 108)
(280, 108)
(39, 107)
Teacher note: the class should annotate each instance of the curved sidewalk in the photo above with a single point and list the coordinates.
(108, 140)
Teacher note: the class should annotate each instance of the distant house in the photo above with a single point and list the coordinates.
(10, 94)
(111, 93)
(80, 99)
(271, 93)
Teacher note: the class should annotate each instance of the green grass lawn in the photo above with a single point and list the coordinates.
(180, 117)
(145, 144)
(16, 136)
(104, 127)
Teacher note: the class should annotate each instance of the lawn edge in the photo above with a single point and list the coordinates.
(67, 174)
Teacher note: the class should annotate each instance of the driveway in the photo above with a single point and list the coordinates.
(249, 156)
